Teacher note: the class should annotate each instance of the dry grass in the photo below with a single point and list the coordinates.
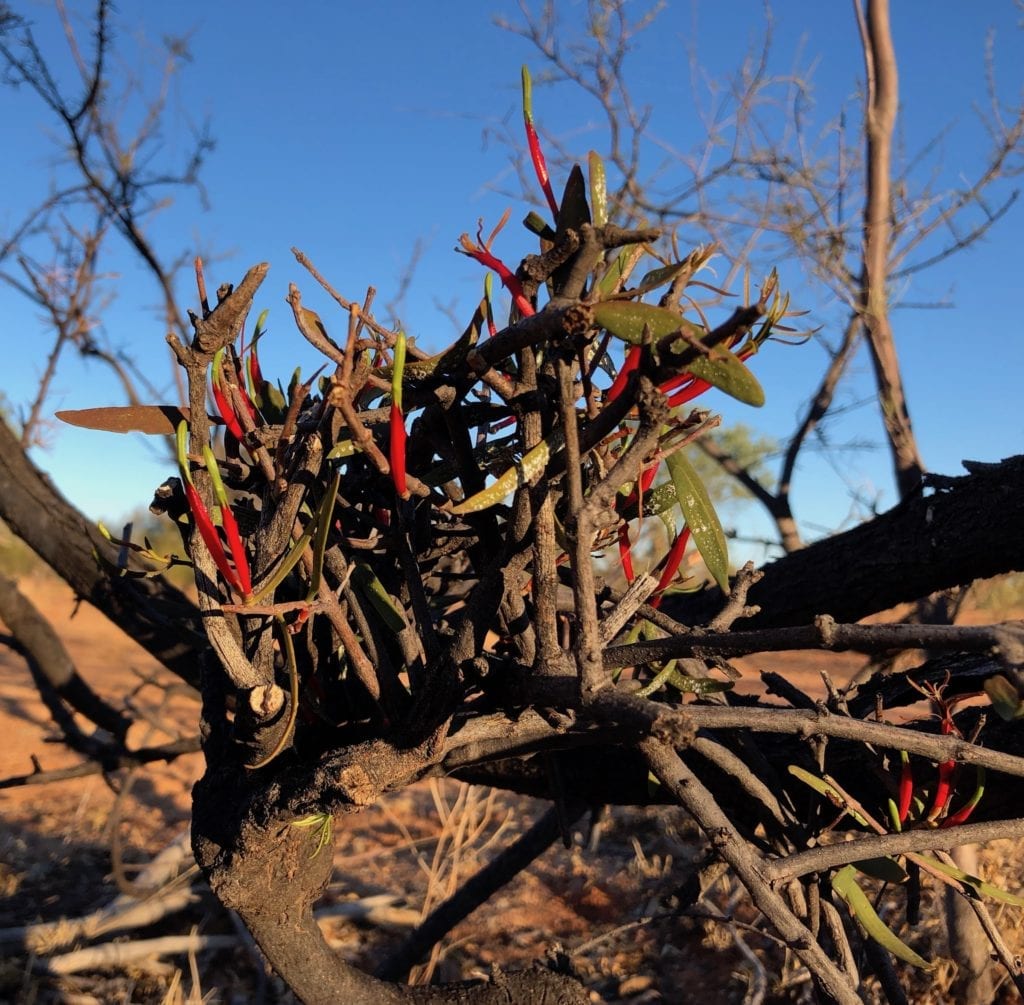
(610, 908)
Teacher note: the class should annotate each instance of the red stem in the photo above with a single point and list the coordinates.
(227, 413)
(508, 279)
(540, 166)
(238, 555)
(625, 552)
(906, 787)
(397, 458)
(672, 563)
(208, 532)
(629, 364)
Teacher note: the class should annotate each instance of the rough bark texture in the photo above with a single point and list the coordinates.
(267, 870)
(159, 617)
(968, 528)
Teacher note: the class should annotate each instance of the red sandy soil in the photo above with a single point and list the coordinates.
(56, 853)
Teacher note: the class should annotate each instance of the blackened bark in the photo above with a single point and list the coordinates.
(158, 616)
(968, 528)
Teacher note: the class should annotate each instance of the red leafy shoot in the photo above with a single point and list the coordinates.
(672, 563)
(625, 552)
(906, 792)
(224, 406)
(230, 525)
(963, 814)
(398, 433)
(631, 362)
(201, 517)
(540, 166)
(947, 769)
(481, 251)
(492, 328)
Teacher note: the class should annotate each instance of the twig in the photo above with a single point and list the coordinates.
(691, 794)
(1011, 961)
(118, 955)
(113, 759)
(879, 845)
(825, 634)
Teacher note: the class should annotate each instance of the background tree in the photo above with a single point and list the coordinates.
(763, 186)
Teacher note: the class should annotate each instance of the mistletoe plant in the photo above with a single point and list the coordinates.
(396, 557)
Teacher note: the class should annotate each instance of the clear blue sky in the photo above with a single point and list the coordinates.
(352, 130)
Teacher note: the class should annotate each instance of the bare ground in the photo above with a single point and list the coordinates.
(65, 847)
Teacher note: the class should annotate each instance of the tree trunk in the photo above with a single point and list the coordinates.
(155, 614)
(882, 104)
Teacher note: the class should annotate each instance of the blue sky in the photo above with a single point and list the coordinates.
(352, 131)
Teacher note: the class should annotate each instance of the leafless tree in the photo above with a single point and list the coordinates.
(104, 185)
(858, 221)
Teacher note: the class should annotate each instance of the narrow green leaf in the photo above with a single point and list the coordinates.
(273, 403)
(313, 820)
(701, 518)
(365, 580)
(343, 448)
(536, 224)
(830, 792)
(398, 368)
(598, 188)
(323, 527)
(626, 320)
(979, 886)
(657, 500)
(727, 372)
(573, 210)
(618, 271)
(534, 461)
(845, 884)
(1004, 697)
(660, 276)
(699, 686)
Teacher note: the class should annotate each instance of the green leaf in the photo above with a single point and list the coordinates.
(343, 448)
(626, 320)
(1004, 697)
(979, 886)
(700, 517)
(598, 188)
(699, 686)
(845, 884)
(573, 210)
(618, 271)
(533, 463)
(275, 407)
(727, 372)
(536, 224)
(830, 792)
(660, 276)
(657, 500)
(365, 580)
